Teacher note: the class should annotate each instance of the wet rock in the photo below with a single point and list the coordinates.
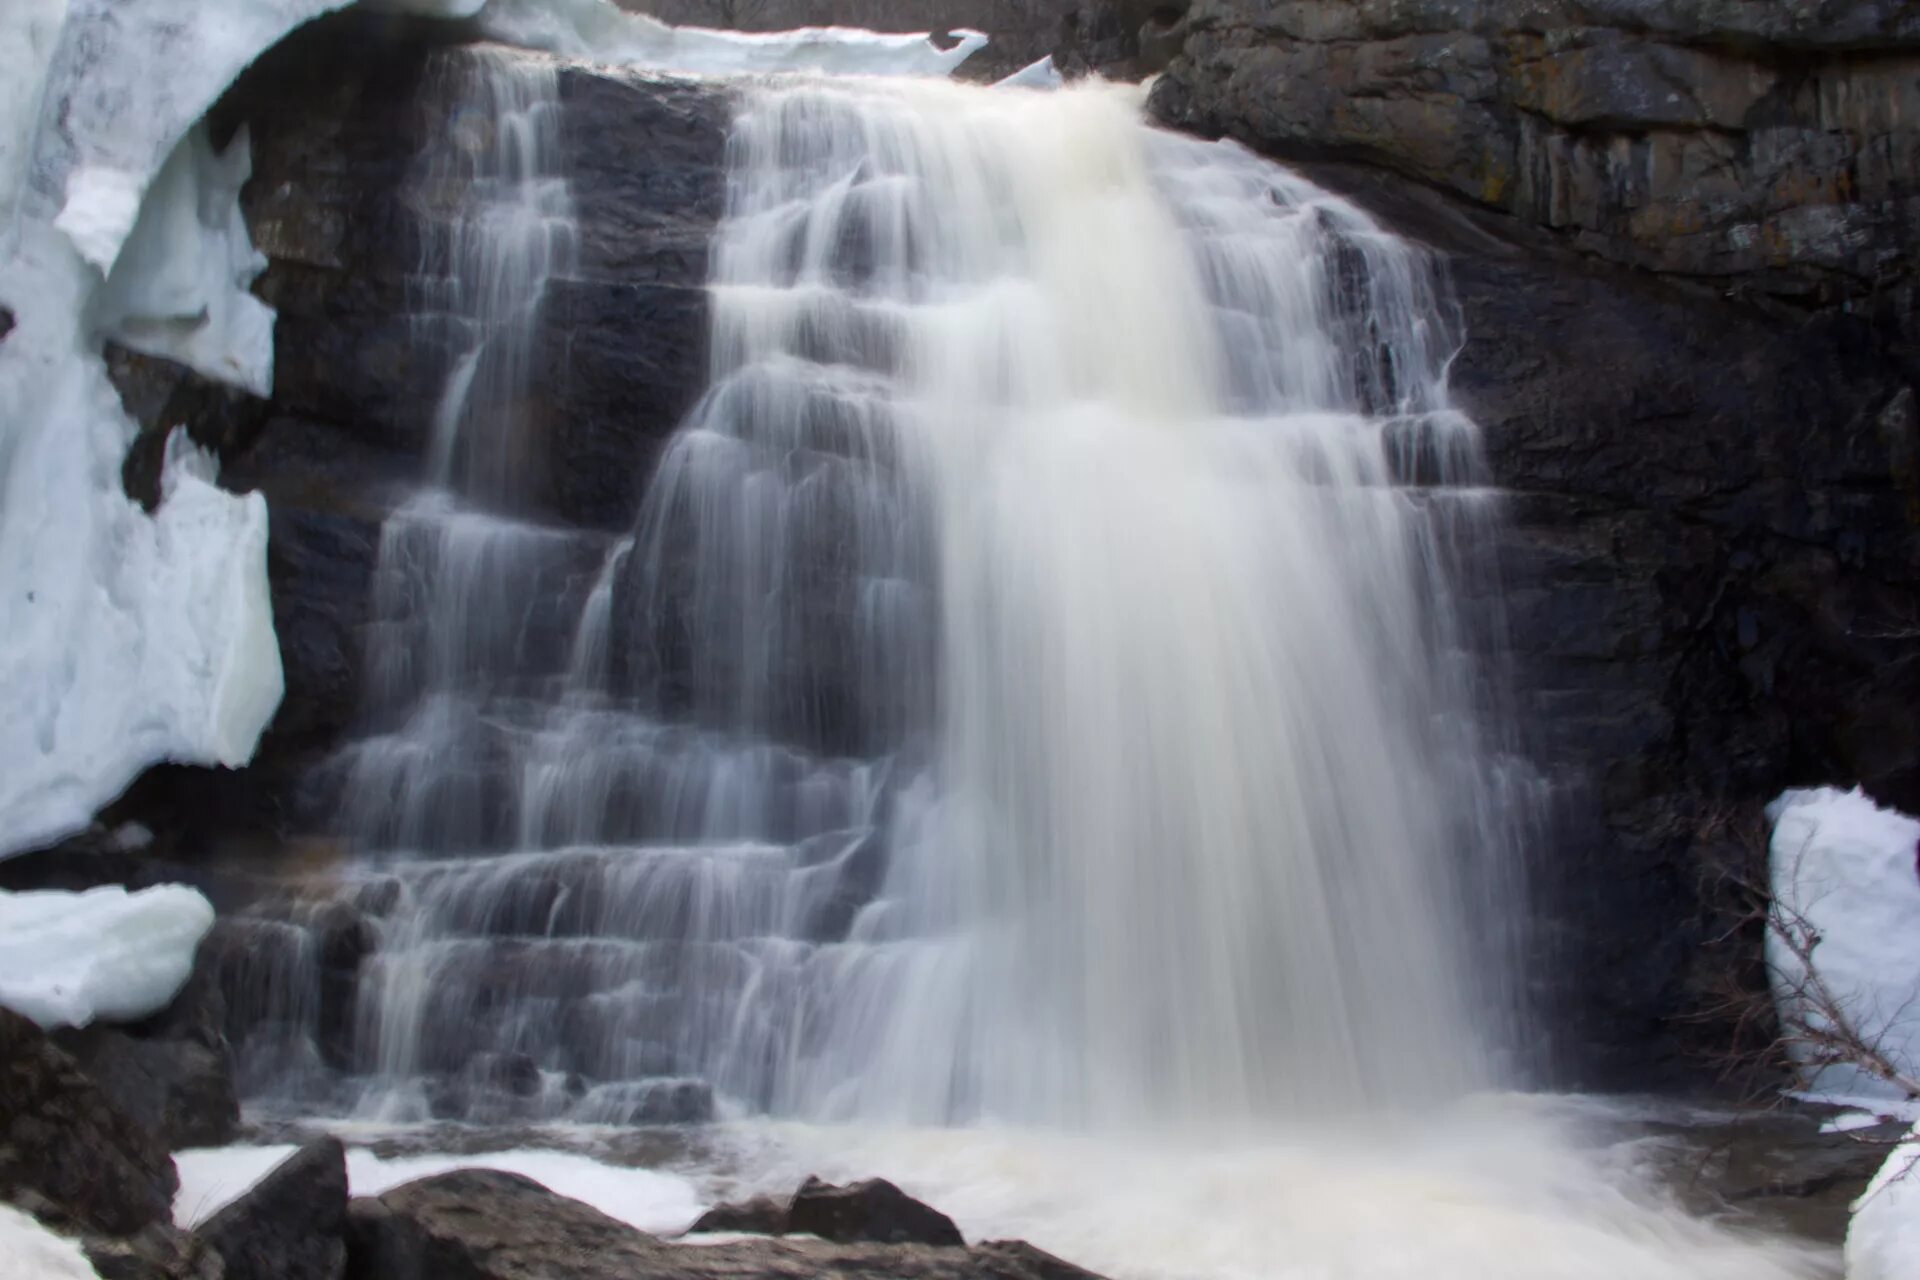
(66, 1149)
(760, 1216)
(292, 1225)
(180, 1089)
(648, 1102)
(870, 1212)
(484, 1225)
(1756, 145)
(856, 868)
(172, 1073)
(874, 1210)
(160, 1251)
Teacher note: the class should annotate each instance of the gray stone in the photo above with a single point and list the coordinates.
(292, 1225)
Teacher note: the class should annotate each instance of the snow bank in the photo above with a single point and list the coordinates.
(68, 959)
(599, 30)
(213, 1177)
(131, 639)
(1883, 1239)
(1851, 870)
(28, 1251)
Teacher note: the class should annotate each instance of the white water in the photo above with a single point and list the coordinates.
(1044, 692)
(1105, 425)
(1036, 687)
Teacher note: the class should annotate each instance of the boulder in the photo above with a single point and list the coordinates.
(292, 1225)
(874, 1210)
(66, 1151)
(870, 1212)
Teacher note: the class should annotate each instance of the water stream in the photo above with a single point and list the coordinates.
(1051, 689)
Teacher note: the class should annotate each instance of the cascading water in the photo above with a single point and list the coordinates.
(1033, 689)
(1047, 682)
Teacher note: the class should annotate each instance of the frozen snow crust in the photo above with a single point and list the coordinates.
(106, 955)
(133, 639)
(1851, 871)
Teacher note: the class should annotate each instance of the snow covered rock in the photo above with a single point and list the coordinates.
(69, 959)
(1883, 1240)
(1850, 871)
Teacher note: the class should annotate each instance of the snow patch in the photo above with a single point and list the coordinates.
(180, 288)
(1883, 1239)
(28, 1251)
(1851, 870)
(1035, 75)
(661, 1203)
(29, 30)
(600, 30)
(106, 955)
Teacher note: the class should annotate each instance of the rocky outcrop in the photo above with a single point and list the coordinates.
(1681, 236)
(292, 1224)
(67, 1153)
(1711, 574)
(1770, 149)
(484, 1225)
(181, 1088)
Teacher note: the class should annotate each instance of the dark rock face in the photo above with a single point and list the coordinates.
(874, 1210)
(482, 1225)
(1712, 564)
(1770, 148)
(67, 1153)
(180, 1089)
(292, 1226)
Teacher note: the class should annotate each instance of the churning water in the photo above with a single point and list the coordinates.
(1049, 684)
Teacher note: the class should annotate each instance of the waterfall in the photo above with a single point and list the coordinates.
(1039, 684)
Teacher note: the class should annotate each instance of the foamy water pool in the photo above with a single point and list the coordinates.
(1497, 1188)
